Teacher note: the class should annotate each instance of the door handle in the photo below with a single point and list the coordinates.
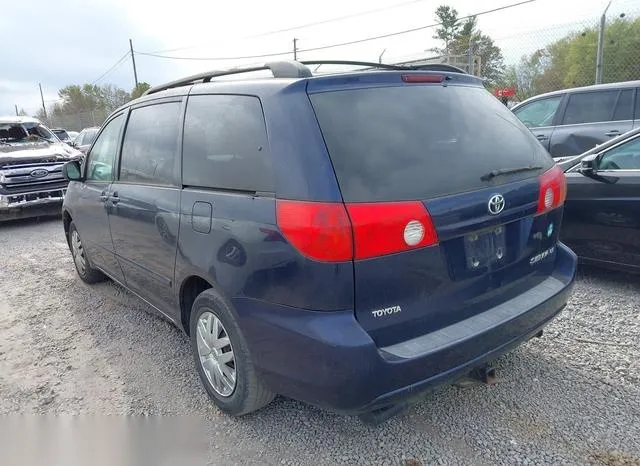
(613, 132)
(542, 137)
(104, 196)
(114, 197)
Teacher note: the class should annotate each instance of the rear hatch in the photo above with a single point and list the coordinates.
(443, 186)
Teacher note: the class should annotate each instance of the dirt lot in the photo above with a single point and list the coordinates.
(571, 397)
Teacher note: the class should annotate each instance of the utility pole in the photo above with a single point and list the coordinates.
(603, 21)
(470, 69)
(295, 48)
(44, 109)
(16, 109)
(133, 60)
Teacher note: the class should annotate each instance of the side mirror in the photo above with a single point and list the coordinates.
(589, 168)
(72, 171)
(588, 165)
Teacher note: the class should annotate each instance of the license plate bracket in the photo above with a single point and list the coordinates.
(485, 248)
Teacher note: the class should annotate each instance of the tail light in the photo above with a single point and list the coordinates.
(553, 190)
(320, 231)
(386, 228)
(325, 232)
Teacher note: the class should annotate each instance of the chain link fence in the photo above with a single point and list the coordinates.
(566, 55)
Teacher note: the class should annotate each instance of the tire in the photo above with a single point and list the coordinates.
(244, 392)
(86, 273)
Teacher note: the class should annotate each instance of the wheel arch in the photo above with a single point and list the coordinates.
(190, 288)
(66, 221)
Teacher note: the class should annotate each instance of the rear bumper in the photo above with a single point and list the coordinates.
(328, 360)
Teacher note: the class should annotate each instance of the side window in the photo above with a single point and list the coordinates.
(150, 145)
(225, 144)
(590, 107)
(623, 157)
(539, 113)
(637, 113)
(624, 106)
(101, 159)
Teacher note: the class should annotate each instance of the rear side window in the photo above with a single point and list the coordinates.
(624, 106)
(150, 146)
(539, 113)
(416, 142)
(590, 107)
(225, 144)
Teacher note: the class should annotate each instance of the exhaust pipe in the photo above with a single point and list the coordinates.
(483, 374)
(377, 417)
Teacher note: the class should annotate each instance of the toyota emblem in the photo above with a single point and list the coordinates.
(496, 204)
(39, 173)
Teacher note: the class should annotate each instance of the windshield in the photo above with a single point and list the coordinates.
(60, 133)
(419, 142)
(25, 133)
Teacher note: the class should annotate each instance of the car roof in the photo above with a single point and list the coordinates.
(19, 119)
(591, 88)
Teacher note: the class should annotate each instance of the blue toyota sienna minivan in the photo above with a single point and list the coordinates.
(349, 240)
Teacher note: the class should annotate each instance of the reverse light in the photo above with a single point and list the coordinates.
(553, 190)
(413, 233)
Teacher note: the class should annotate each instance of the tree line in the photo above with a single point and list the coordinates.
(90, 99)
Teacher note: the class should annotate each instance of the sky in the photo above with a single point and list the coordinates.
(62, 42)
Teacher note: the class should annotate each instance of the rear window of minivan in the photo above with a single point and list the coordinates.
(417, 142)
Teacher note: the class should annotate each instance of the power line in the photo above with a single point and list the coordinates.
(303, 26)
(246, 57)
(342, 44)
(113, 67)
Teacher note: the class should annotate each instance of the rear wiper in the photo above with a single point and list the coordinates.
(507, 171)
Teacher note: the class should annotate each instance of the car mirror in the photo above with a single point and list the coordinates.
(589, 168)
(71, 171)
(588, 165)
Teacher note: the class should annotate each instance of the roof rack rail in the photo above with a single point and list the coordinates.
(279, 69)
(297, 69)
(384, 66)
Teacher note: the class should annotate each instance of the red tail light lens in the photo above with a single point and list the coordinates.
(319, 231)
(553, 190)
(422, 78)
(390, 227)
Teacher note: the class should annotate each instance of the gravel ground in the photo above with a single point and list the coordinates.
(571, 397)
